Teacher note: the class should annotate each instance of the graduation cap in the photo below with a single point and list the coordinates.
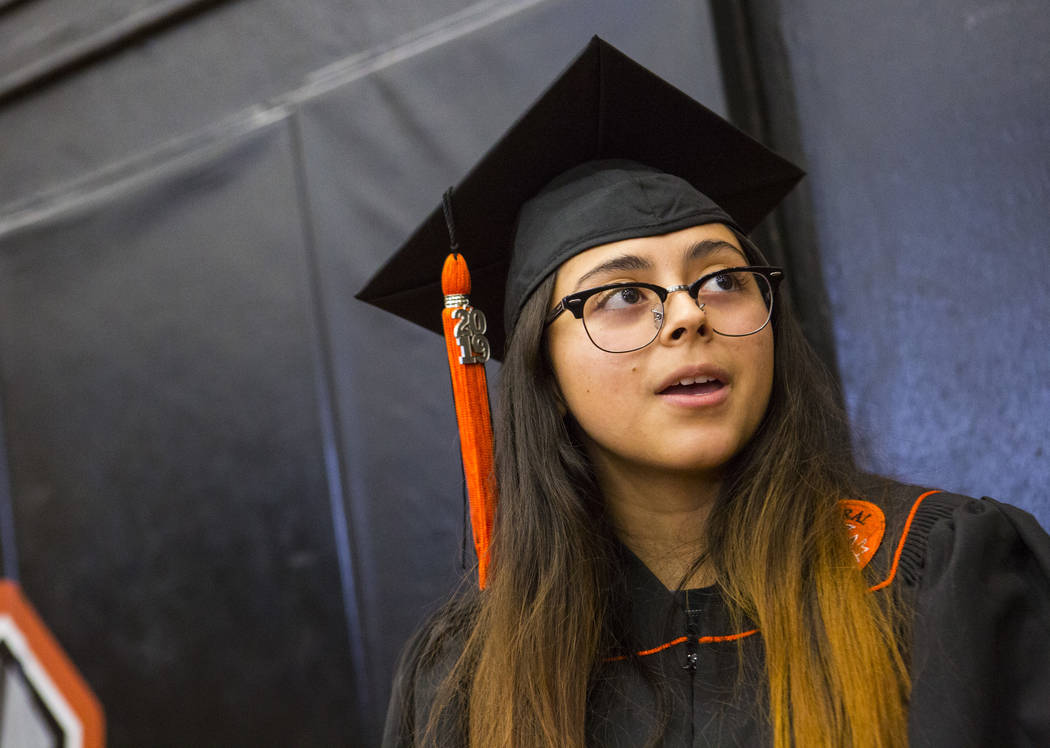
(609, 151)
(604, 106)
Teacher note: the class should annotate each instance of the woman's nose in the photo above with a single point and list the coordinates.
(683, 316)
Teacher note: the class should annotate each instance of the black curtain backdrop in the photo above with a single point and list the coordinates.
(232, 491)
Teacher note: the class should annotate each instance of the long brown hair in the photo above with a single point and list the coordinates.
(528, 647)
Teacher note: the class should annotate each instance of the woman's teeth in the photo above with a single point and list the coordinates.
(688, 381)
(693, 386)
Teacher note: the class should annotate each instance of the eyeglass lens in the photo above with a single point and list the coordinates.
(624, 319)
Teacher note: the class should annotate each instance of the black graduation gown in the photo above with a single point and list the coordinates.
(976, 573)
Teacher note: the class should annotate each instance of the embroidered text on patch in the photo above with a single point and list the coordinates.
(866, 525)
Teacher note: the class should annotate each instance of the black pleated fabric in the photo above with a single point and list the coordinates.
(981, 642)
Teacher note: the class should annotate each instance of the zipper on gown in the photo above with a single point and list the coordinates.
(692, 656)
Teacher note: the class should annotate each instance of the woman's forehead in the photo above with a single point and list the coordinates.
(680, 249)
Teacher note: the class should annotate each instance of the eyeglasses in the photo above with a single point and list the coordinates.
(623, 317)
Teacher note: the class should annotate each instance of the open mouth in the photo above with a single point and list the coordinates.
(691, 386)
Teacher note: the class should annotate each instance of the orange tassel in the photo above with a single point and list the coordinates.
(467, 352)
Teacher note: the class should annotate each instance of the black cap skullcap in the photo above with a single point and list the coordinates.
(592, 204)
(669, 163)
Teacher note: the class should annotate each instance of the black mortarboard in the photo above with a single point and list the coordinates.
(604, 106)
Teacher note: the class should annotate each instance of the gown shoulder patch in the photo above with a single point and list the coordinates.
(866, 525)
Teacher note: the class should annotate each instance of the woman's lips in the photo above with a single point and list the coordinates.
(695, 391)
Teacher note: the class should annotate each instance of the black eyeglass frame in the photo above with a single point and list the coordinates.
(574, 302)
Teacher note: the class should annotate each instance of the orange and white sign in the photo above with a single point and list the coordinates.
(43, 699)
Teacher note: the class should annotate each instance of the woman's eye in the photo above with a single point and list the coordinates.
(618, 298)
(721, 283)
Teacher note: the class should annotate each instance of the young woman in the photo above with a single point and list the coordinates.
(684, 551)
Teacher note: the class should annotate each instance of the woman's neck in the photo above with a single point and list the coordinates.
(662, 517)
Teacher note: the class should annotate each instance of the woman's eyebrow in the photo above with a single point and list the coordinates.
(709, 246)
(623, 262)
